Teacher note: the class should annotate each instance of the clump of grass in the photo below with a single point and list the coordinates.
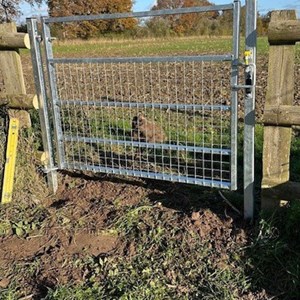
(29, 181)
(275, 253)
(29, 184)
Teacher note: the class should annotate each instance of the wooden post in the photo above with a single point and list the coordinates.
(283, 115)
(284, 32)
(12, 75)
(26, 101)
(280, 91)
(14, 40)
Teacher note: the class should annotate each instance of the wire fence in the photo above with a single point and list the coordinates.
(170, 118)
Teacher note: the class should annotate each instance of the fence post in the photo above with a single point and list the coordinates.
(12, 73)
(280, 91)
(251, 39)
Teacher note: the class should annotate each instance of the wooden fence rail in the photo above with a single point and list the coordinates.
(280, 115)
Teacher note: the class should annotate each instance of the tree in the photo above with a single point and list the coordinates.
(168, 4)
(187, 23)
(263, 23)
(10, 9)
(59, 8)
(194, 22)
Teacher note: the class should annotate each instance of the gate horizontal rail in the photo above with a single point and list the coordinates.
(151, 175)
(154, 59)
(148, 145)
(182, 107)
(153, 13)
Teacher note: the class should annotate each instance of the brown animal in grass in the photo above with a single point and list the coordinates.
(144, 130)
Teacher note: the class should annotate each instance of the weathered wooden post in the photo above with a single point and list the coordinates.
(283, 33)
(12, 73)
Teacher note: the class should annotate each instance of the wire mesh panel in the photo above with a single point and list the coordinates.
(169, 118)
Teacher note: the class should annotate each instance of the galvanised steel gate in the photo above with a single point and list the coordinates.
(163, 117)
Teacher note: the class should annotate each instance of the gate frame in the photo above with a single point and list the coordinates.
(40, 86)
(249, 122)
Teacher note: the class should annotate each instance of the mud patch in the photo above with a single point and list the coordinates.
(91, 244)
(15, 248)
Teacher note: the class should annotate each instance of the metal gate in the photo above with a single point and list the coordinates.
(163, 117)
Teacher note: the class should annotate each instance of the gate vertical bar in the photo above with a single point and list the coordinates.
(251, 39)
(234, 93)
(36, 56)
(54, 96)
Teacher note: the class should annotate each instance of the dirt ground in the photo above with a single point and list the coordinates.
(78, 222)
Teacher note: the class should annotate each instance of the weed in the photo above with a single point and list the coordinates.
(21, 219)
(5, 228)
(275, 254)
(9, 293)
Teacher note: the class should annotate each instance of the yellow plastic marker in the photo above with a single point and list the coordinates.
(247, 56)
(11, 153)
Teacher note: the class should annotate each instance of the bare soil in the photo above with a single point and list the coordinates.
(80, 218)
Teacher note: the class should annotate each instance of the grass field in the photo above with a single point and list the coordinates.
(150, 46)
(106, 237)
(159, 46)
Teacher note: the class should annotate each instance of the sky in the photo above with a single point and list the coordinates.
(142, 5)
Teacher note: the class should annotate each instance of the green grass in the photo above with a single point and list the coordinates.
(155, 46)
(159, 46)
(275, 253)
(116, 123)
(165, 46)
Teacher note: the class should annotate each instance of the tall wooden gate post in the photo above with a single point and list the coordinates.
(280, 91)
(11, 68)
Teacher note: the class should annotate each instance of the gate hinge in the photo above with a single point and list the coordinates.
(48, 170)
(51, 39)
(39, 38)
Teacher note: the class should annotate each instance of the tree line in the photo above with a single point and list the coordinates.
(209, 23)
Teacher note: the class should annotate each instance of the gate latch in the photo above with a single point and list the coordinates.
(249, 71)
